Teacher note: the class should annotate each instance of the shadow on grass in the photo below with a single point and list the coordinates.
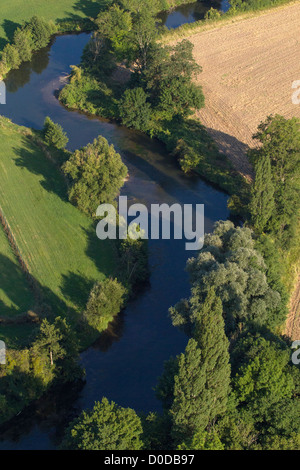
(76, 288)
(10, 28)
(47, 304)
(91, 8)
(32, 157)
(3, 43)
(99, 251)
(13, 285)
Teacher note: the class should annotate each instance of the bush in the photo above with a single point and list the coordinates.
(41, 31)
(134, 109)
(187, 157)
(212, 14)
(11, 57)
(106, 300)
(106, 427)
(54, 134)
(134, 261)
(97, 172)
(23, 43)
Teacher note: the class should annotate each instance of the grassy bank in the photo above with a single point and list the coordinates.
(15, 294)
(57, 242)
(230, 17)
(15, 12)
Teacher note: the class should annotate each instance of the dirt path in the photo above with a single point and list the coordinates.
(248, 70)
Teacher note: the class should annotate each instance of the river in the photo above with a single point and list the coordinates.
(125, 362)
(191, 12)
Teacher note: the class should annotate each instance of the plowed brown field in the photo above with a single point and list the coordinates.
(248, 70)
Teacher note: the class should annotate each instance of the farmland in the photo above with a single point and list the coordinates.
(57, 243)
(248, 70)
(13, 13)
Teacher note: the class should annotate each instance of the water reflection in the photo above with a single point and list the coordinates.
(189, 13)
(125, 362)
(19, 78)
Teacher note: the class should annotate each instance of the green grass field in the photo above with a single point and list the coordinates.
(14, 12)
(15, 294)
(57, 242)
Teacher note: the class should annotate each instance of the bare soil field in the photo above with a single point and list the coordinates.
(248, 70)
(292, 329)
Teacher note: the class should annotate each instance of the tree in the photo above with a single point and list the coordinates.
(190, 410)
(203, 441)
(144, 33)
(262, 204)
(209, 332)
(97, 174)
(50, 340)
(195, 386)
(114, 26)
(279, 141)
(134, 109)
(168, 80)
(41, 31)
(23, 43)
(54, 134)
(105, 301)
(106, 427)
(230, 264)
(134, 261)
(263, 378)
(11, 57)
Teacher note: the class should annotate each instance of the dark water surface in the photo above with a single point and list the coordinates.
(191, 12)
(126, 361)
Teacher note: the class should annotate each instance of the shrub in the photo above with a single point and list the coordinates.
(134, 109)
(54, 134)
(41, 31)
(97, 172)
(212, 14)
(106, 427)
(106, 300)
(23, 43)
(11, 57)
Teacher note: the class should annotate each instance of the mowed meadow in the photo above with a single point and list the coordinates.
(14, 12)
(57, 242)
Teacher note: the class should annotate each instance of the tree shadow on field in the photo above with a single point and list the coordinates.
(76, 288)
(101, 252)
(10, 28)
(3, 43)
(33, 158)
(234, 150)
(91, 8)
(13, 285)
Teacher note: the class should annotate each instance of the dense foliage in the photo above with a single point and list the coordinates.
(97, 173)
(106, 427)
(27, 374)
(105, 301)
(230, 264)
(54, 134)
(32, 36)
(275, 204)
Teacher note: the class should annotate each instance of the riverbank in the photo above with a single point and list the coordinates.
(142, 337)
(251, 79)
(220, 20)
